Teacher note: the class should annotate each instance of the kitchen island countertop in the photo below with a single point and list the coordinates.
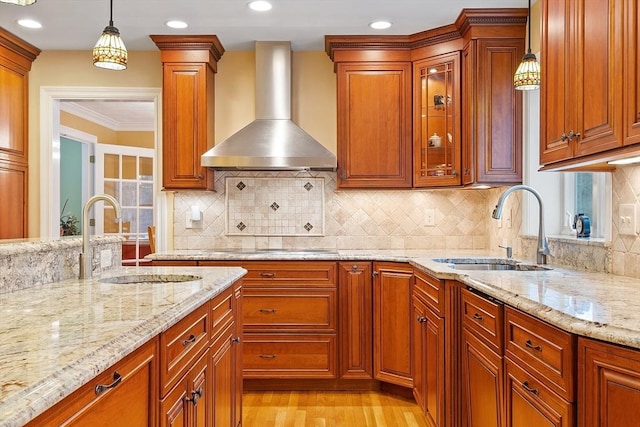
(54, 338)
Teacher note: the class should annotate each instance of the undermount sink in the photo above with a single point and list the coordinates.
(489, 264)
(150, 278)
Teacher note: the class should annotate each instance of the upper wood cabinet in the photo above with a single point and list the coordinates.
(431, 109)
(16, 57)
(374, 124)
(589, 94)
(436, 122)
(189, 64)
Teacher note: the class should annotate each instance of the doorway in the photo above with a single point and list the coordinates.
(52, 131)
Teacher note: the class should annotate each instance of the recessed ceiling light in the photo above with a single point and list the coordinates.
(29, 23)
(260, 5)
(176, 24)
(380, 25)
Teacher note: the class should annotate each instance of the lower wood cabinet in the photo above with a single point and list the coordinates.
(126, 394)
(608, 385)
(392, 324)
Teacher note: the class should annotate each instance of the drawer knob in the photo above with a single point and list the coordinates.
(267, 274)
(477, 316)
(190, 340)
(236, 339)
(422, 319)
(116, 380)
(267, 356)
(530, 345)
(354, 268)
(525, 385)
(268, 310)
(195, 395)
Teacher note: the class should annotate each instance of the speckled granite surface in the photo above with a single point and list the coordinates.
(54, 338)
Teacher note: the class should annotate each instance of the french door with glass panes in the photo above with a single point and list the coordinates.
(126, 173)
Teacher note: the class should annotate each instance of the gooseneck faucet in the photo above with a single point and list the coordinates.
(543, 246)
(85, 256)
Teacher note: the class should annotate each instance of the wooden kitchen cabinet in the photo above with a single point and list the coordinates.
(124, 394)
(189, 64)
(492, 110)
(355, 288)
(16, 57)
(436, 133)
(586, 89)
(392, 325)
(374, 124)
(481, 354)
(608, 385)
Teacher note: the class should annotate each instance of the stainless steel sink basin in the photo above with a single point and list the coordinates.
(150, 278)
(489, 264)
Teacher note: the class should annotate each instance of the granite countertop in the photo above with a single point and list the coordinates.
(55, 338)
(597, 305)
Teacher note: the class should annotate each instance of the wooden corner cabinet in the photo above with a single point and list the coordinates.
(16, 57)
(431, 109)
(189, 64)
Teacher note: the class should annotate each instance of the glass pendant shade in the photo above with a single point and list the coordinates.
(19, 2)
(109, 51)
(527, 76)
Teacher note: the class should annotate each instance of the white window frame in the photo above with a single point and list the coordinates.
(601, 210)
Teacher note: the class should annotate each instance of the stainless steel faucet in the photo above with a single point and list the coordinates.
(85, 257)
(543, 246)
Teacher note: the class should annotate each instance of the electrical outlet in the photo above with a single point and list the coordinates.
(429, 217)
(627, 219)
(193, 223)
(105, 258)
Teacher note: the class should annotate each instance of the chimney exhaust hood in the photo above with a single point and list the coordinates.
(272, 141)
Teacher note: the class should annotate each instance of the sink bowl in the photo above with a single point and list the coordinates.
(489, 264)
(150, 278)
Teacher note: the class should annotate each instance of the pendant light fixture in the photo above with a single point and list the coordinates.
(110, 52)
(527, 76)
(19, 2)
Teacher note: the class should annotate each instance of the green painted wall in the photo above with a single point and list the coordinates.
(71, 178)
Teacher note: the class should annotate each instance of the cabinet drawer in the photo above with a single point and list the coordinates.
(221, 313)
(294, 273)
(289, 356)
(286, 310)
(484, 318)
(181, 344)
(542, 349)
(430, 290)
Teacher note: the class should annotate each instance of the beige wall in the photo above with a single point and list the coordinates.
(313, 106)
(142, 139)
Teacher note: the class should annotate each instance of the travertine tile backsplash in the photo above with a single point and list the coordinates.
(360, 219)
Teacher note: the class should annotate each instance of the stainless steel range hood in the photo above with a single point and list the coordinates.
(272, 141)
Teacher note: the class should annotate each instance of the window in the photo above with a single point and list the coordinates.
(588, 194)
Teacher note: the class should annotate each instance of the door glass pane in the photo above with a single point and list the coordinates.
(110, 224)
(129, 196)
(129, 217)
(146, 219)
(112, 188)
(146, 169)
(129, 167)
(112, 166)
(146, 194)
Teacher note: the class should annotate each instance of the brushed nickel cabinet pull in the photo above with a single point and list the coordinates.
(267, 356)
(190, 340)
(267, 274)
(422, 319)
(195, 396)
(530, 345)
(525, 385)
(268, 310)
(116, 380)
(236, 339)
(477, 316)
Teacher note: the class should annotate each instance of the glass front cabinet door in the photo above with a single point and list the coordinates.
(437, 156)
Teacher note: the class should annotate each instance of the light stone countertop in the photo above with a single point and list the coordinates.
(597, 305)
(55, 338)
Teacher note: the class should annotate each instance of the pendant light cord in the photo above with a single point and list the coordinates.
(528, 25)
(111, 17)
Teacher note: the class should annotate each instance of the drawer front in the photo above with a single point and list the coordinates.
(430, 290)
(291, 273)
(287, 310)
(181, 344)
(484, 318)
(289, 356)
(543, 350)
(221, 315)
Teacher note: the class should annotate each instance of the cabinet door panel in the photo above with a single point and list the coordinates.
(609, 386)
(13, 114)
(556, 67)
(223, 386)
(599, 68)
(631, 76)
(13, 193)
(374, 125)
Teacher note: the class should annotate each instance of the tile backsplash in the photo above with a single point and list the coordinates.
(353, 219)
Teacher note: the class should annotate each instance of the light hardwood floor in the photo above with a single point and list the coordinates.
(329, 409)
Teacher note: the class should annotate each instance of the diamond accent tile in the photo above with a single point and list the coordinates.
(308, 227)
(240, 186)
(308, 186)
(274, 206)
(241, 226)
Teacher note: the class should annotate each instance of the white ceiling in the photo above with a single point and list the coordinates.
(114, 114)
(77, 24)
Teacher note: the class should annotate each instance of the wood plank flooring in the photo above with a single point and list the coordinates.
(329, 409)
